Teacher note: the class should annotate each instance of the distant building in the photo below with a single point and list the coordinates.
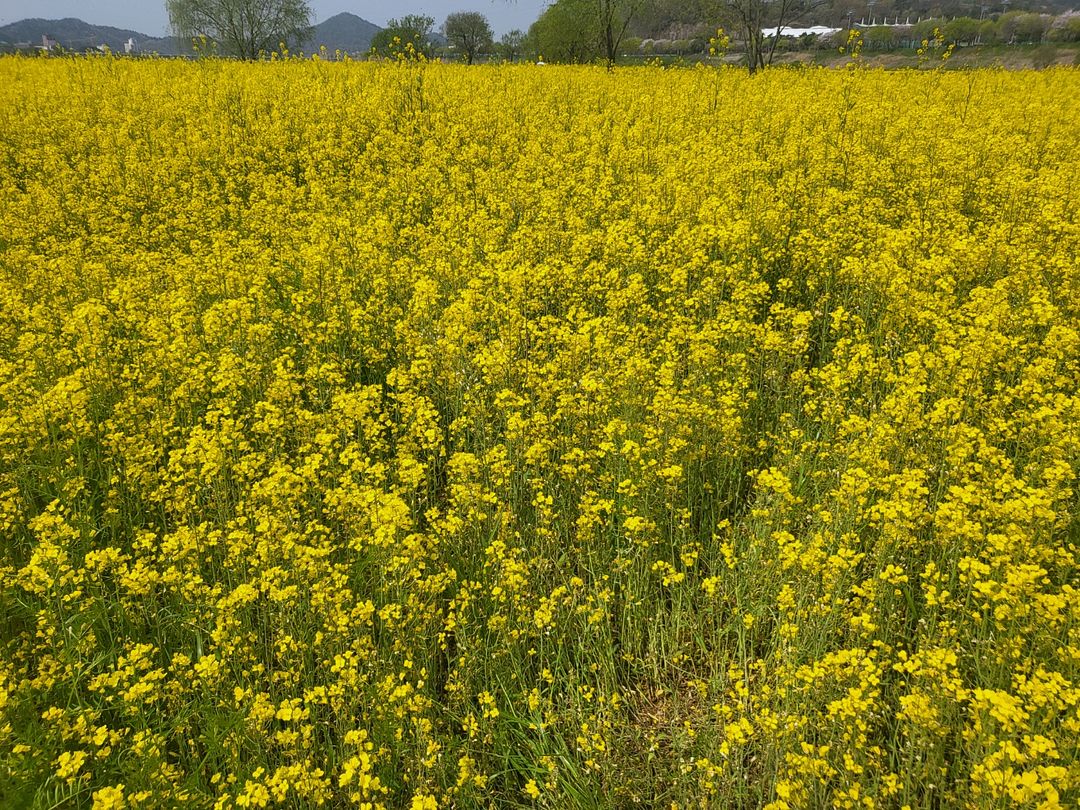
(48, 43)
(788, 31)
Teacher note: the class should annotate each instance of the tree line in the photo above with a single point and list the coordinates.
(604, 30)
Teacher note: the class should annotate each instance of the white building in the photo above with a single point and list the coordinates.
(786, 31)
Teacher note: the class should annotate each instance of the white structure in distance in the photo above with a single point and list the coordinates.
(815, 30)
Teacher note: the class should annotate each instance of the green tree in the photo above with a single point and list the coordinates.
(961, 30)
(581, 30)
(243, 28)
(1023, 27)
(1067, 29)
(566, 32)
(511, 45)
(469, 32)
(407, 37)
(881, 38)
(989, 32)
(924, 29)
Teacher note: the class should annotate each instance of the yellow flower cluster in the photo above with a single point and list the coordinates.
(405, 435)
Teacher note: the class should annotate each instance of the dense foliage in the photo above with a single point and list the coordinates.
(469, 33)
(399, 434)
(407, 38)
(242, 28)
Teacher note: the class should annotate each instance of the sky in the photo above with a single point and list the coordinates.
(148, 16)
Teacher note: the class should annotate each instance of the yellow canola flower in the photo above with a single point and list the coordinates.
(109, 798)
(69, 763)
(390, 433)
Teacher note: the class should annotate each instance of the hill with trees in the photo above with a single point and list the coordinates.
(76, 35)
(574, 30)
(344, 32)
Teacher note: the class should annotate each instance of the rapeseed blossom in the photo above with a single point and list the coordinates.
(398, 435)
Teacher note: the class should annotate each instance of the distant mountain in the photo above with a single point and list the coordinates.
(343, 32)
(76, 35)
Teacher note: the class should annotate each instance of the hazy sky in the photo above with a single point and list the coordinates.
(148, 16)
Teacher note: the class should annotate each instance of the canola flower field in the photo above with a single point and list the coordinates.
(414, 436)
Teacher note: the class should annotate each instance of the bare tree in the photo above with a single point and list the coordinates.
(754, 17)
(243, 28)
(470, 32)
